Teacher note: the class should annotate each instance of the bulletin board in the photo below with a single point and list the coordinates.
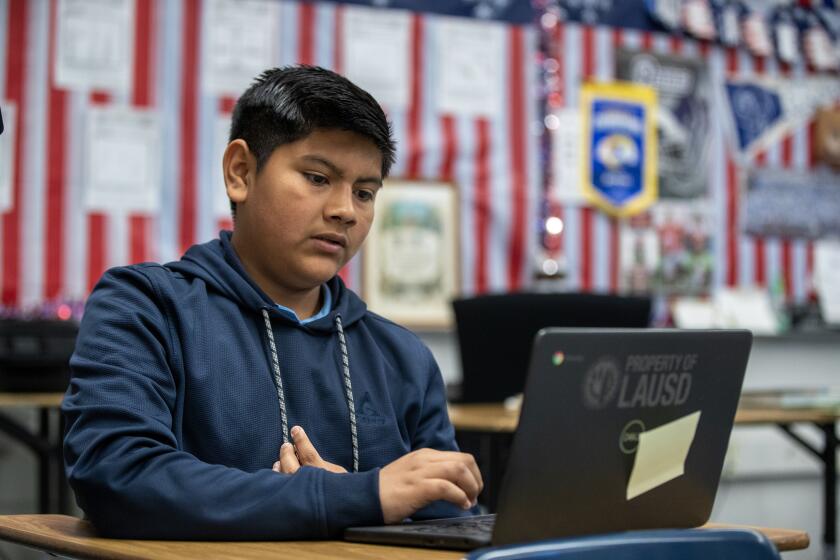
(598, 251)
(85, 82)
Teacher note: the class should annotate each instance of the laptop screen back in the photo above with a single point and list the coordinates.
(621, 429)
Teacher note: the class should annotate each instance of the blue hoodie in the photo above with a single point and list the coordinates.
(173, 419)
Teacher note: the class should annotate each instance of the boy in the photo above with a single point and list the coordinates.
(243, 392)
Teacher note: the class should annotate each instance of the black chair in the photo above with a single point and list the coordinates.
(662, 544)
(495, 333)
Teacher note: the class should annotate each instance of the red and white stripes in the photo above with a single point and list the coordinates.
(18, 37)
(54, 249)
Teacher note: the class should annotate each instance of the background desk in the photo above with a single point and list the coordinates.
(495, 425)
(44, 442)
(60, 534)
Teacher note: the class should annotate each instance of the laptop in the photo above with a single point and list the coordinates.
(619, 430)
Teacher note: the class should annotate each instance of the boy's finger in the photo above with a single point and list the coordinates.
(440, 489)
(456, 473)
(433, 455)
(289, 463)
(307, 454)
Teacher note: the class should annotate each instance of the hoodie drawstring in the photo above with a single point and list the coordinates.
(278, 380)
(348, 385)
(348, 388)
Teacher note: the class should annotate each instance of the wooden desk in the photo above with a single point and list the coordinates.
(498, 423)
(60, 534)
(37, 400)
(497, 418)
(481, 418)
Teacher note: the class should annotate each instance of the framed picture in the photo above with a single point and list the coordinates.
(411, 270)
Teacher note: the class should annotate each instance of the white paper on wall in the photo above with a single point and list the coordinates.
(827, 268)
(7, 155)
(122, 171)
(95, 44)
(693, 313)
(470, 60)
(221, 132)
(746, 308)
(240, 39)
(377, 53)
(566, 142)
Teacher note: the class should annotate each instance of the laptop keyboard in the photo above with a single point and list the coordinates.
(478, 526)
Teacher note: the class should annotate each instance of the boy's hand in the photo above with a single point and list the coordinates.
(301, 454)
(424, 476)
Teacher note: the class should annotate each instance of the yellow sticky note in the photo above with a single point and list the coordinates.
(661, 454)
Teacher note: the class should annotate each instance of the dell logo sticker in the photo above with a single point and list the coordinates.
(628, 440)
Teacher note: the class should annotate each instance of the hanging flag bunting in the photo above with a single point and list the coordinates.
(757, 35)
(619, 151)
(751, 24)
(830, 18)
(698, 19)
(785, 35)
(727, 16)
(665, 12)
(819, 47)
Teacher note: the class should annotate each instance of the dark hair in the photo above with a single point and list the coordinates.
(286, 104)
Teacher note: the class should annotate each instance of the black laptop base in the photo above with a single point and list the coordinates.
(457, 533)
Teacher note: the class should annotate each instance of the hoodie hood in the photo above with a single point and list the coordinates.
(217, 265)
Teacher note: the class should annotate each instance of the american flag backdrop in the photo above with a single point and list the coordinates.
(591, 239)
(53, 249)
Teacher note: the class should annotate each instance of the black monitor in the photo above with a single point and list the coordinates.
(35, 354)
(495, 333)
